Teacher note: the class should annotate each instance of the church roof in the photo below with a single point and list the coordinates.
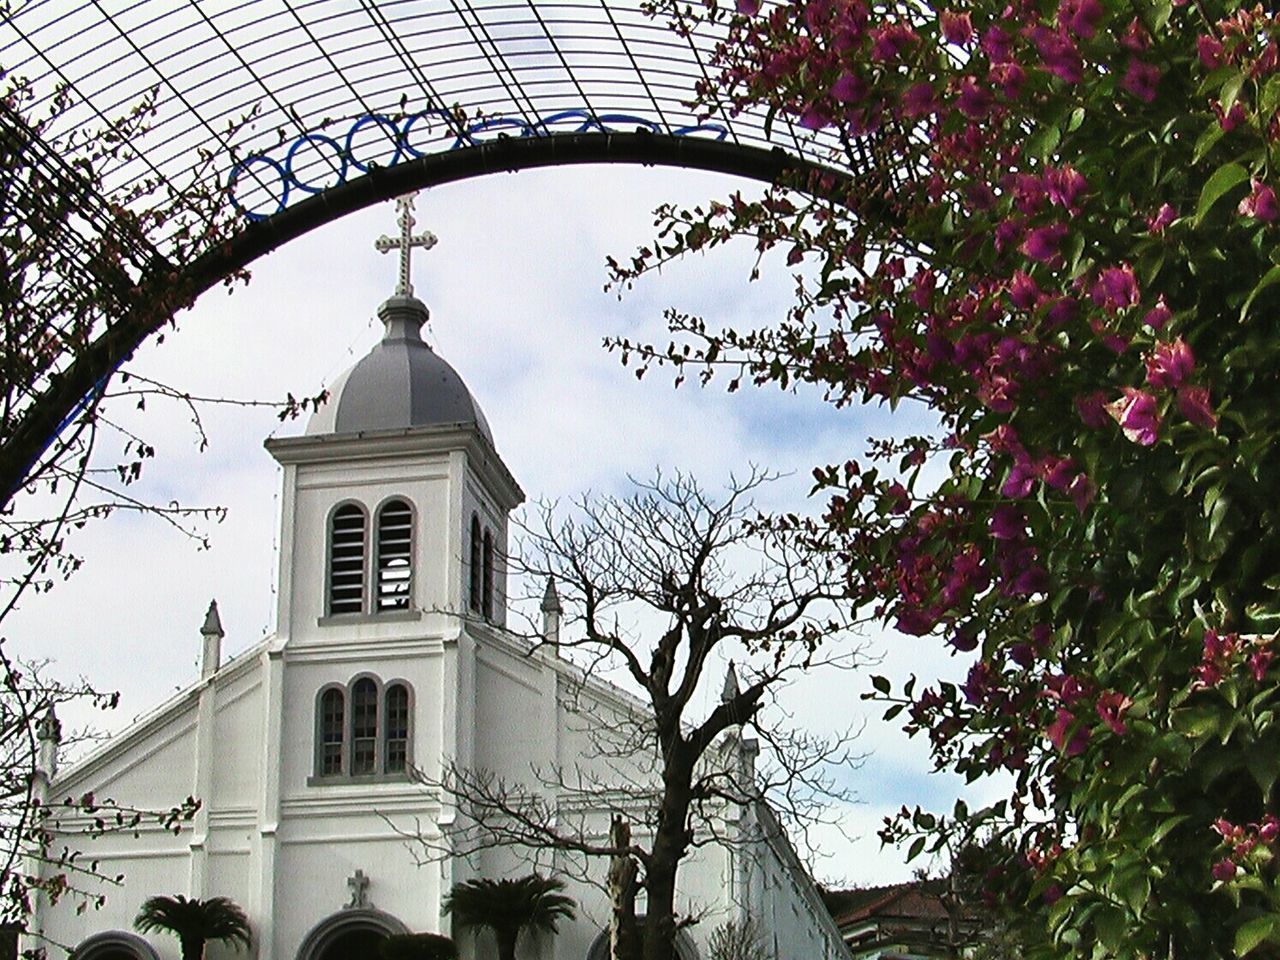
(401, 383)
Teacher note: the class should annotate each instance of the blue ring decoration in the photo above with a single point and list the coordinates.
(545, 123)
(318, 138)
(614, 119)
(234, 178)
(498, 123)
(386, 123)
(719, 131)
(413, 152)
(581, 120)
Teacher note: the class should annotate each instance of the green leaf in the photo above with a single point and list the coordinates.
(1160, 13)
(1269, 99)
(1166, 825)
(1231, 90)
(881, 684)
(1112, 926)
(1263, 767)
(1268, 278)
(1252, 934)
(1205, 142)
(1226, 177)
(1044, 141)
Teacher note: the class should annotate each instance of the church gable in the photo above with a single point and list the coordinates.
(151, 764)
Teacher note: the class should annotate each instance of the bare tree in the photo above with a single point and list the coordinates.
(695, 579)
(738, 940)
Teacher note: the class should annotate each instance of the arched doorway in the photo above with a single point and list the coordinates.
(114, 945)
(350, 934)
(686, 949)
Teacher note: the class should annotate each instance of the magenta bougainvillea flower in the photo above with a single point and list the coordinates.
(957, 28)
(1260, 203)
(1138, 416)
(1210, 50)
(1170, 364)
(1115, 288)
(1195, 405)
(1141, 80)
(1162, 218)
(1067, 737)
(1081, 17)
(1042, 243)
(1158, 315)
(849, 88)
(1112, 707)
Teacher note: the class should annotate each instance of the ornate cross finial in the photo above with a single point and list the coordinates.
(359, 885)
(405, 242)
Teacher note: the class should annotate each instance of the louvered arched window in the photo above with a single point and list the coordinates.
(395, 556)
(364, 726)
(332, 727)
(396, 727)
(474, 571)
(486, 602)
(346, 560)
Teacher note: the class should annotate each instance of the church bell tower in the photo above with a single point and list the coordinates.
(395, 499)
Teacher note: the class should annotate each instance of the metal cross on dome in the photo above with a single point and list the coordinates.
(405, 242)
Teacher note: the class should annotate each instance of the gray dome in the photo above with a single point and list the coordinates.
(401, 383)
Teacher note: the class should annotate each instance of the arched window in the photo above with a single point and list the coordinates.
(364, 726)
(395, 565)
(486, 603)
(363, 730)
(475, 563)
(332, 728)
(396, 728)
(346, 560)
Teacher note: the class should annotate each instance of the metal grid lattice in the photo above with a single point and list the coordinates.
(294, 96)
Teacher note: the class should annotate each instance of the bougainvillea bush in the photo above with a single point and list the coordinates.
(1056, 225)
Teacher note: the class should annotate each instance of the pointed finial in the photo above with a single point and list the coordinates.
(550, 598)
(731, 688)
(49, 727)
(212, 622)
(405, 242)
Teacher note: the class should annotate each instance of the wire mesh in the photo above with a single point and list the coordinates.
(292, 96)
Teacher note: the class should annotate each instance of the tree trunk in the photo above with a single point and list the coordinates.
(624, 935)
(670, 843)
(507, 944)
(192, 948)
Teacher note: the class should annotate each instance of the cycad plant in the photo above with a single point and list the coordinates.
(508, 907)
(194, 922)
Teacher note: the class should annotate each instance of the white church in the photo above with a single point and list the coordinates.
(390, 654)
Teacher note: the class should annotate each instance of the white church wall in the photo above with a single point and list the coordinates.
(158, 771)
(509, 716)
(155, 863)
(319, 854)
(239, 727)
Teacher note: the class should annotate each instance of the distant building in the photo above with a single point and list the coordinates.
(903, 921)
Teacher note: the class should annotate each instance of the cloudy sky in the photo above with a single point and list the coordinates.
(515, 288)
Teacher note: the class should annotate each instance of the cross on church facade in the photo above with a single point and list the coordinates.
(359, 885)
(405, 242)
